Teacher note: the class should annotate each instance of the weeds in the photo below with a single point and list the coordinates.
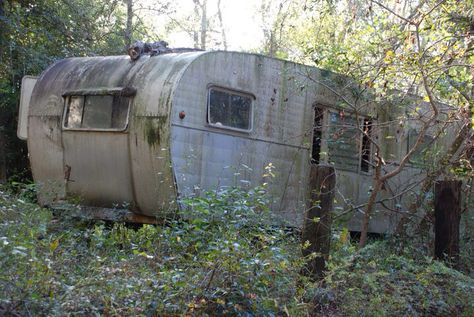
(223, 255)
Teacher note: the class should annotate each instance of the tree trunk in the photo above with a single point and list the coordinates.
(317, 223)
(447, 218)
(197, 5)
(129, 28)
(368, 212)
(219, 14)
(203, 24)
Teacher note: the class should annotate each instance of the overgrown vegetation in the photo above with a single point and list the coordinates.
(221, 257)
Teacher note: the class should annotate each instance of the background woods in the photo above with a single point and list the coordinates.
(36, 33)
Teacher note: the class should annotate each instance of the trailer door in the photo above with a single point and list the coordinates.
(96, 149)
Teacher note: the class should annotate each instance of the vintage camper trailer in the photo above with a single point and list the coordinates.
(137, 134)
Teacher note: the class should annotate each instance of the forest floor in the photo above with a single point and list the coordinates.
(224, 260)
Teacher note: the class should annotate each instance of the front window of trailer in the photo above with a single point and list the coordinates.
(230, 109)
(96, 112)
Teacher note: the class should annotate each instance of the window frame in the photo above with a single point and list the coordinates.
(359, 141)
(319, 116)
(370, 148)
(126, 92)
(231, 92)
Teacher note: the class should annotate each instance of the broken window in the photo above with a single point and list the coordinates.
(317, 135)
(229, 109)
(366, 145)
(89, 112)
(343, 141)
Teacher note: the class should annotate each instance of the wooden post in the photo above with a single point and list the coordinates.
(447, 218)
(317, 223)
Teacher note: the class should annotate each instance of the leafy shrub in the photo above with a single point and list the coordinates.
(376, 281)
(224, 255)
(221, 256)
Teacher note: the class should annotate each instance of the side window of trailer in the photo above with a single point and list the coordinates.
(229, 109)
(349, 145)
(343, 147)
(96, 112)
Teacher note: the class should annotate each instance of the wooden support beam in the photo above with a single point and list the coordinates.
(107, 214)
(447, 219)
(317, 224)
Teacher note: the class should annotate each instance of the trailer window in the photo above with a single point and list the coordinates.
(229, 109)
(343, 141)
(317, 135)
(74, 116)
(366, 145)
(96, 112)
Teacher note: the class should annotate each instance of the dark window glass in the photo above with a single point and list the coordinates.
(317, 135)
(365, 159)
(228, 109)
(343, 141)
(97, 112)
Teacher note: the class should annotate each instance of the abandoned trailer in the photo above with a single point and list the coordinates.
(138, 134)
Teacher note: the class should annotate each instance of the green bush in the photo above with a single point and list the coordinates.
(223, 255)
(378, 281)
(220, 256)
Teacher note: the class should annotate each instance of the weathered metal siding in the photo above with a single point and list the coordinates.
(44, 133)
(161, 156)
(100, 168)
(150, 131)
(27, 85)
(128, 168)
(206, 157)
